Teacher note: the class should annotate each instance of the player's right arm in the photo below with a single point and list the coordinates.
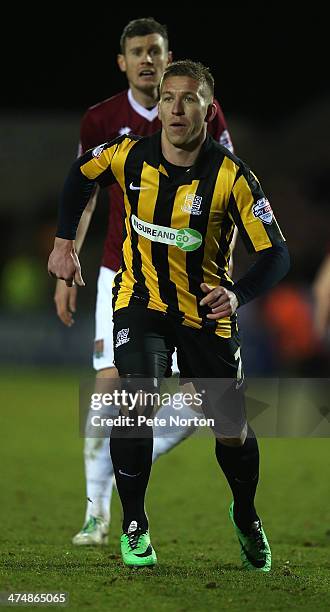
(65, 298)
(63, 262)
(94, 167)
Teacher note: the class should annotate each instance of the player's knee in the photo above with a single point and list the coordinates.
(139, 395)
(161, 446)
(107, 373)
(132, 403)
(107, 380)
(94, 447)
(233, 441)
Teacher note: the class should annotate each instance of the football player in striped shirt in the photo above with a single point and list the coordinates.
(143, 56)
(183, 195)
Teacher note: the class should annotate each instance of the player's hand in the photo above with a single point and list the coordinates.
(63, 263)
(222, 302)
(65, 299)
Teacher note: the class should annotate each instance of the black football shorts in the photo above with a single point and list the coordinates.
(144, 341)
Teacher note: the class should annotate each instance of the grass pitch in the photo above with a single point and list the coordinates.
(43, 503)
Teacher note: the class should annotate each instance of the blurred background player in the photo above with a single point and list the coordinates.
(143, 57)
(322, 298)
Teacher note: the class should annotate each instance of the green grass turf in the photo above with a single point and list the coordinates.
(42, 506)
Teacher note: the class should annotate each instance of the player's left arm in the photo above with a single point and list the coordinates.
(219, 130)
(271, 266)
(251, 212)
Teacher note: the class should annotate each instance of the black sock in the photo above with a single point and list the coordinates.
(132, 458)
(241, 467)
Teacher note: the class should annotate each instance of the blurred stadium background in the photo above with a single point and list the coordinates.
(288, 152)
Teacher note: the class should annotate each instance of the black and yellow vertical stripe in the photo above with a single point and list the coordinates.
(206, 201)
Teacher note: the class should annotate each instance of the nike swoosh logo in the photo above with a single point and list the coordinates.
(133, 188)
(146, 553)
(129, 475)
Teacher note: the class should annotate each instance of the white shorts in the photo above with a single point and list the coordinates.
(103, 344)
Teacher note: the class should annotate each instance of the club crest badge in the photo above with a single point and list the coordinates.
(192, 204)
(122, 337)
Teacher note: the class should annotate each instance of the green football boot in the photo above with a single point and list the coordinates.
(136, 549)
(255, 550)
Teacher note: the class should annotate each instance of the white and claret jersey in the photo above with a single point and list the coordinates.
(111, 118)
(178, 230)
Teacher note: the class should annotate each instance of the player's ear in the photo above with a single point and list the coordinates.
(121, 62)
(169, 57)
(158, 111)
(211, 112)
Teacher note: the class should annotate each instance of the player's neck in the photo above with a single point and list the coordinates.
(181, 156)
(148, 99)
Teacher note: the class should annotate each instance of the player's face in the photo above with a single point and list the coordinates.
(183, 109)
(144, 61)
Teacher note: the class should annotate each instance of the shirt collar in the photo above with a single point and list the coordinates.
(201, 167)
(150, 115)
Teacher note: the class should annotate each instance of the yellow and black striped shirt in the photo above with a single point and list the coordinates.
(178, 231)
